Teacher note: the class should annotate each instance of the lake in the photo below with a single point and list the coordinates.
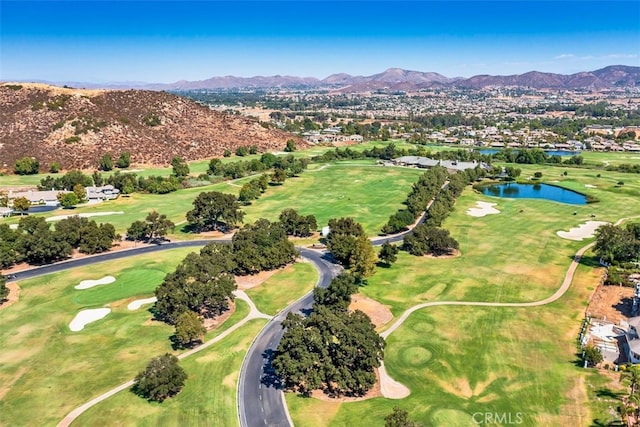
(535, 191)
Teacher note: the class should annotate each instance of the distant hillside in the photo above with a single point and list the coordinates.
(76, 127)
(614, 76)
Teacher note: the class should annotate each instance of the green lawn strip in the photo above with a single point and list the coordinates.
(285, 287)
(461, 360)
(208, 398)
(370, 194)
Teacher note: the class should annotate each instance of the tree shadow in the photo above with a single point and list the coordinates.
(269, 376)
(589, 261)
(609, 394)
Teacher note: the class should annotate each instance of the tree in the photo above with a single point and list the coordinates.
(97, 238)
(180, 167)
(337, 295)
(201, 283)
(297, 225)
(158, 225)
(537, 175)
(124, 161)
(189, 329)
(242, 151)
(615, 244)
(398, 418)
(341, 241)
(211, 209)
(26, 166)
(363, 259)
(162, 378)
(592, 355)
(21, 204)
(427, 239)
(38, 244)
(261, 246)
(68, 200)
(226, 153)
(332, 350)
(80, 192)
(54, 167)
(154, 227)
(388, 253)
(4, 291)
(106, 162)
(278, 176)
(253, 149)
(291, 146)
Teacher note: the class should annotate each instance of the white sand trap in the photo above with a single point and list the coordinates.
(590, 186)
(483, 209)
(87, 316)
(13, 226)
(83, 215)
(583, 231)
(134, 305)
(86, 284)
(390, 388)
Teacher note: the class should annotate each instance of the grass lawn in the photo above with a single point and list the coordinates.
(46, 370)
(462, 360)
(208, 398)
(285, 287)
(368, 193)
(136, 207)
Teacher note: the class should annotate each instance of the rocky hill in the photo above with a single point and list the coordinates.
(76, 127)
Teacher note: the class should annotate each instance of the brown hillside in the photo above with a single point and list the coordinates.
(76, 126)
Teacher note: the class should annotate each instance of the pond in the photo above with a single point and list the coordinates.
(561, 153)
(535, 191)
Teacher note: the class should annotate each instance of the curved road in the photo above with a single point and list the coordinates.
(260, 400)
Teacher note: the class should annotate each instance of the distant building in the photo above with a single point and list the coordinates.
(106, 192)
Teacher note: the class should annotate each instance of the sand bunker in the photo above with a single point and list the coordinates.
(590, 186)
(87, 316)
(86, 284)
(390, 388)
(483, 209)
(134, 305)
(583, 231)
(83, 215)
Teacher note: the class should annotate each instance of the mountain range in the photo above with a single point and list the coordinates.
(611, 77)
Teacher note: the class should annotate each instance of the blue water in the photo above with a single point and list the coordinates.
(549, 152)
(42, 208)
(535, 191)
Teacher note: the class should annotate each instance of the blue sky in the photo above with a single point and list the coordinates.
(165, 41)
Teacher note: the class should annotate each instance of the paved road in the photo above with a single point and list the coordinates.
(109, 256)
(260, 401)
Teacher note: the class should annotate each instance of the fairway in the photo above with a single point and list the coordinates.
(208, 398)
(461, 360)
(368, 193)
(280, 290)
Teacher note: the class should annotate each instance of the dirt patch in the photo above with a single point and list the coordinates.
(211, 324)
(253, 280)
(611, 302)
(14, 294)
(373, 392)
(378, 313)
